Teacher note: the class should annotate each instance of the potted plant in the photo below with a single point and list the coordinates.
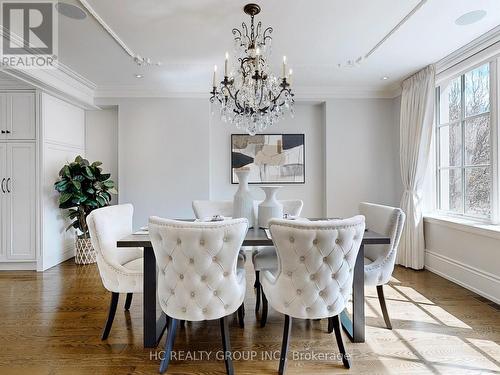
(83, 188)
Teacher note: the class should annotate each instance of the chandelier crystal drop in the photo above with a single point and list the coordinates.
(251, 97)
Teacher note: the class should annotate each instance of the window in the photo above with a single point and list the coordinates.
(464, 148)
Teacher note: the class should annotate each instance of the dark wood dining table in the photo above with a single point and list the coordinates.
(154, 326)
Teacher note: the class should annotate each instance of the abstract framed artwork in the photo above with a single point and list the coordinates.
(271, 158)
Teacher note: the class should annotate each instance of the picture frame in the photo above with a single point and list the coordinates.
(273, 159)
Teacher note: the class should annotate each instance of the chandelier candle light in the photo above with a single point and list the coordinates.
(250, 96)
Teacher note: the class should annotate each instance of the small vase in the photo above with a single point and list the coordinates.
(85, 253)
(243, 200)
(270, 208)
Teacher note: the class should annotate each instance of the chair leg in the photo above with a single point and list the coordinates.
(183, 324)
(226, 345)
(241, 315)
(287, 330)
(330, 325)
(263, 318)
(381, 299)
(169, 344)
(128, 301)
(257, 291)
(340, 341)
(111, 315)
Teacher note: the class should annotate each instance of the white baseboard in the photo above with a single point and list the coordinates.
(474, 279)
(68, 253)
(18, 266)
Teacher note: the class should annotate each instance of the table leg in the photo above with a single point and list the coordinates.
(153, 329)
(355, 329)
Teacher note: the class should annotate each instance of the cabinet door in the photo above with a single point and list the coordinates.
(21, 205)
(3, 116)
(3, 200)
(21, 116)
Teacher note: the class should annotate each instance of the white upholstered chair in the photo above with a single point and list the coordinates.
(380, 259)
(206, 209)
(198, 277)
(265, 258)
(315, 272)
(121, 270)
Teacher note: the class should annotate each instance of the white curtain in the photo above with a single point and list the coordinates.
(416, 129)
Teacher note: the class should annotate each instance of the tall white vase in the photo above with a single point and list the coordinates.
(270, 208)
(243, 200)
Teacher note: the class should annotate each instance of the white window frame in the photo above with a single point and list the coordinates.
(494, 142)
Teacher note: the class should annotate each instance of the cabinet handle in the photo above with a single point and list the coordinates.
(8, 189)
(3, 185)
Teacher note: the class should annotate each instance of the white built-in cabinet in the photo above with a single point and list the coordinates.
(18, 171)
(17, 116)
(18, 201)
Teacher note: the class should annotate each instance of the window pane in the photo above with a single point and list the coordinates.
(477, 140)
(477, 90)
(449, 101)
(450, 146)
(451, 190)
(478, 191)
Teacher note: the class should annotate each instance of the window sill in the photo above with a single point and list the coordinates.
(464, 225)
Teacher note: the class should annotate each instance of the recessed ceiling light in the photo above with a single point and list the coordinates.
(470, 17)
(384, 78)
(139, 76)
(71, 11)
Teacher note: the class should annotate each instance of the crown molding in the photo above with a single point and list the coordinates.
(62, 82)
(301, 93)
(465, 52)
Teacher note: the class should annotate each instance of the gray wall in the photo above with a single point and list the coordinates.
(101, 141)
(362, 154)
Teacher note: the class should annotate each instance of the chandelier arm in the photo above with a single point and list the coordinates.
(265, 37)
(245, 29)
(257, 30)
(237, 35)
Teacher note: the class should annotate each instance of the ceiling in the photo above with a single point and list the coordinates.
(190, 36)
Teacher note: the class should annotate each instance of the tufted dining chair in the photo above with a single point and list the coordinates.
(380, 259)
(206, 209)
(265, 258)
(198, 275)
(315, 272)
(121, 270)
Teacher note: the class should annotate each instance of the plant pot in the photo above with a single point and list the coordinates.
(270, 208)
(243, 200)
(85, 253)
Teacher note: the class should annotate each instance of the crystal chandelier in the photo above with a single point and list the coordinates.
(250, 96)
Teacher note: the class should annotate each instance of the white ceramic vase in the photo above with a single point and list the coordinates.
(270, 208)
(243, 200)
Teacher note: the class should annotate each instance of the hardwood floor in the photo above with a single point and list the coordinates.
(51, 323)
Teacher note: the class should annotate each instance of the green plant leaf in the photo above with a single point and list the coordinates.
(79, 178)
(65, 197)
(113, 191)
(77, 184)
(104, 176)
(88, 173)
(96, 164)
(109, 184)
